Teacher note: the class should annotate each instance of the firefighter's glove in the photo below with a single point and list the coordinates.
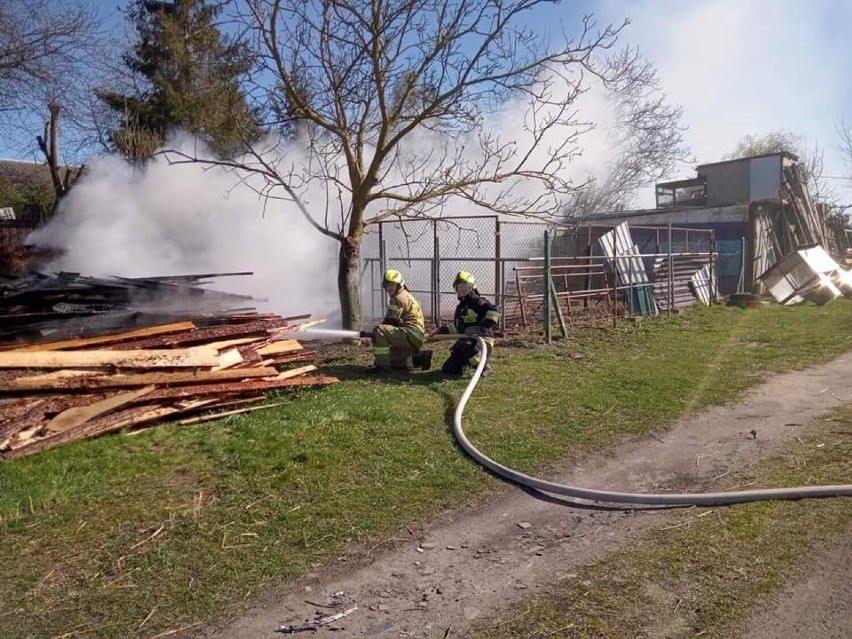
(472, 331)
(365, 334)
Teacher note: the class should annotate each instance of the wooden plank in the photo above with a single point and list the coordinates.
(227, 403)
(154, 414)
(99, 340)
(279, 347)
(250, 386)
(237, 411)
(85, 383)
(74, 417)
(65, 374)
(298, 356)
(229, 358)
(34, 412)
(260, 329)
(198, 357)
(231, 343)
(295, 372)
(279, 333)
(121, 419)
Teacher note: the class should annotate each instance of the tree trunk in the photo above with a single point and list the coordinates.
(347, 282)
(347, 259)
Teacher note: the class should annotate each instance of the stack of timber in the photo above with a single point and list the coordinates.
(65, 305)
(71, 388)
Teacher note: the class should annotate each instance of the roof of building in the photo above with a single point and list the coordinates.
(626, 214)
(20, 172)
(786, 154)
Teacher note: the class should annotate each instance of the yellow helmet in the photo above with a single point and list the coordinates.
(463, 277)
(393, 277)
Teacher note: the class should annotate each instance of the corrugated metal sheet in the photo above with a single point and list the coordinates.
(683, 287)
(617, 245)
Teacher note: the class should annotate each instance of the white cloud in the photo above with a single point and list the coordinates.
(737, 67)
(747, 68)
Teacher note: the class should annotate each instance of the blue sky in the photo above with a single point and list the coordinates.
(746, 67)
(738, 67)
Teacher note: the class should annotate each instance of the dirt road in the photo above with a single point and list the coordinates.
(474, 562)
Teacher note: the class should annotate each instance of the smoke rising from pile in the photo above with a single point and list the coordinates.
(178, 219)
(189, 218)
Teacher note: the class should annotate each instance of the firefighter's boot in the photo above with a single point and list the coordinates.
(423, 360)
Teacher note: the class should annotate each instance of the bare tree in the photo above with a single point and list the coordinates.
(845, 134)
(399, 106)
(61, 177)
(46, 52)
(645, 138)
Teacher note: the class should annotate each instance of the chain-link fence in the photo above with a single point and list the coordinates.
(508, 260)
(429, 253)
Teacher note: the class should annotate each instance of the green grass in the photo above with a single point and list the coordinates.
(701, 574)
(189, 522)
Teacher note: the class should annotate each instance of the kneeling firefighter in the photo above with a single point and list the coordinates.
(398, 340)
(475, 315)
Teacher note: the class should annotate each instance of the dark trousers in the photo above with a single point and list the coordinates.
(465, 352)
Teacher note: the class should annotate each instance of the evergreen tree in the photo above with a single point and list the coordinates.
(190, 73)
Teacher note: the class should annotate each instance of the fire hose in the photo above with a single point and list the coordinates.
(669, 499)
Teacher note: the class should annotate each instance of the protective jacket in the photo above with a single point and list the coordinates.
(404, 312)
(475, 310)
(400, 336)
(475, 315)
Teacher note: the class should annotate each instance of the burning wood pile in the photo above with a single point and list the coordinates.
(117, 357)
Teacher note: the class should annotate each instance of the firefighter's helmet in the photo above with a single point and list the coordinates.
(393, 277)
(463, 277)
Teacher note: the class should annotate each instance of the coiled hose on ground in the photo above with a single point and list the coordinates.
(671, 499)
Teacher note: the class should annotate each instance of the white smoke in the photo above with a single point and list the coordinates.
(730, 64)
(187, 219)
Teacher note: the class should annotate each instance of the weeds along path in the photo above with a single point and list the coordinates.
(476, 561)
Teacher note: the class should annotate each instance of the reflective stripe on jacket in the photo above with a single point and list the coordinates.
(475, 310)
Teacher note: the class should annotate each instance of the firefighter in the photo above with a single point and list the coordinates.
(398, 340)
(474, 316)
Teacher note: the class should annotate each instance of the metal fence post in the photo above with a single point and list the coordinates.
(546, 288)
(614, 278)
(712, 295)
(670, 274)
(498, 274)
(383, 264)
(433, 284)
(741, 280)
(382, 255)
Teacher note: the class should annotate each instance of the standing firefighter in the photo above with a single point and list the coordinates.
(398, 339)
(475, 315)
